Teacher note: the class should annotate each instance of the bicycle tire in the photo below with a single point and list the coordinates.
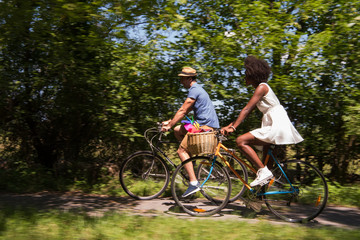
(237, 187)
(144, 176)
(201, 203)
(312, 194)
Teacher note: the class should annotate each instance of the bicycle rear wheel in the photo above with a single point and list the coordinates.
(310, 195)
(237, 187)
(144, 175)
(214, 194)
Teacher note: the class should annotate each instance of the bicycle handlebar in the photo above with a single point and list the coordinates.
(221, 137)
(151, 133)
(157, 132)
(159, 125)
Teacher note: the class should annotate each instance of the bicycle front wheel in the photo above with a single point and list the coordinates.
(299, 195)
(144, 175)
(215, 188)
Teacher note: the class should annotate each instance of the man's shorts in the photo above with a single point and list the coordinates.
(184, 142)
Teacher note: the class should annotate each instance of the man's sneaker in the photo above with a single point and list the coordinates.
(191, 190)
(263, 176)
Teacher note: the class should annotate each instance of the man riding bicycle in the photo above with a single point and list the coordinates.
(199, 101)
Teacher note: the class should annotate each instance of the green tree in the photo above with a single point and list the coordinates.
(77, 85)
(312, 47)
(81, 80)
(54, 57)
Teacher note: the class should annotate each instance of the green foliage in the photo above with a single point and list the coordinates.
(22, 177)
(344, 195)
(81, 80)
(312, 47)
(53, 71)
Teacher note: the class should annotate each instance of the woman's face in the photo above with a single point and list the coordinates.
(251, 82)
(248, 80)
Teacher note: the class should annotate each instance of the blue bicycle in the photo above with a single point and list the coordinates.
(298, 191)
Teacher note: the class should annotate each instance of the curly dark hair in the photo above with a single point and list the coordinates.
(257, 69)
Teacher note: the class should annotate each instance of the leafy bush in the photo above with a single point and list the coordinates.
(344, 195)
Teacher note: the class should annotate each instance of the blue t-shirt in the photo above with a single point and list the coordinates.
(204, 111)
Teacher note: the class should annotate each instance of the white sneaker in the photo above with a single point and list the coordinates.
(263, 175)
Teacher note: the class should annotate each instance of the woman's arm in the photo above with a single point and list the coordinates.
(260, 91)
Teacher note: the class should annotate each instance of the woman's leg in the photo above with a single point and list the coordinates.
(270, 162)
(244, 141)
(263, 175)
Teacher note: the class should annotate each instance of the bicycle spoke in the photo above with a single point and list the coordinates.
(212, 197)
(237, 186)
(144, 176)
(303, 199)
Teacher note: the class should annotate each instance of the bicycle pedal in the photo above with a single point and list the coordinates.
(256, 206)
(265, 183)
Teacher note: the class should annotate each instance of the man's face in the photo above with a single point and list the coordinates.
(185, 81)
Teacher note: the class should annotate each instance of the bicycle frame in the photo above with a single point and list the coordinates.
(281, 193)
(294, 190)
(155, 148)
(269, 154)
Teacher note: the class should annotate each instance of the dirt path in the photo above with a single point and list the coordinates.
(97, 205)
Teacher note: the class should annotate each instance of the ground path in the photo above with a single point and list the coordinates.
(97, 205)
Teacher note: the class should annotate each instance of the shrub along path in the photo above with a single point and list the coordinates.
(97, 205)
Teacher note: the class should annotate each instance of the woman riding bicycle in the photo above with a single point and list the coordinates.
(276, 127)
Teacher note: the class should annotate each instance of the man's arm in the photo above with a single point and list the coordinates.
(180, 114)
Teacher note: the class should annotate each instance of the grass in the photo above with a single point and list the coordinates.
(344, 195)
(31, 224)
(340, 195)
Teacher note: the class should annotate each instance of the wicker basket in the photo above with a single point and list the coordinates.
(204, 142)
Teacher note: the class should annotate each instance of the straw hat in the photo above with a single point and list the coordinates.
(187, 72)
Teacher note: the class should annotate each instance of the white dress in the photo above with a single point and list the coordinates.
(276, 127)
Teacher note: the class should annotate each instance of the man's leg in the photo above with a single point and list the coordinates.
(183, 155)
(179, 132)
(193, 182)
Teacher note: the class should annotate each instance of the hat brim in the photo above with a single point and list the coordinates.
(182, 74)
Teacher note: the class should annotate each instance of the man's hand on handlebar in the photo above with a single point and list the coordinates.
(165, 126)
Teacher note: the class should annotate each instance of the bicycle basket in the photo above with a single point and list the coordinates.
(204, 142)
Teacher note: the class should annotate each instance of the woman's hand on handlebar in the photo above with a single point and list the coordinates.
(226, 130)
